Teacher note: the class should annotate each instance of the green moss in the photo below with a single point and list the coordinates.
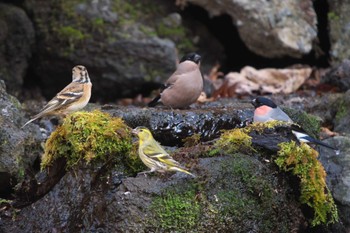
(178, 34)
(92, 137)
(342, 110)
(246, 198)
(129, 11)
(166, 31)
(133, 11)
(255, 184)
(302, 162)
(192, 140)
(21, 169)
(71, 34)
(332, 16)
(237, 208)
(15, 102)
(310, 123)
(232, 141)
(5, 201)
(176, 211)
(238, 139)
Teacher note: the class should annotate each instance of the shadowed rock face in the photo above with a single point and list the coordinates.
(99, 199)
(16, 41)
(18, 148)
(120, 56)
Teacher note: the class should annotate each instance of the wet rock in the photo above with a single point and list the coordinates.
(19, 149)
(339, 30)
(270, 28)
(170, 127)
(16, 41)
(95, 199)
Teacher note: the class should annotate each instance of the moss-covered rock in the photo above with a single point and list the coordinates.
(177, 209)
(300, 159)
(92, 137)
(113, 39)
(310, 123)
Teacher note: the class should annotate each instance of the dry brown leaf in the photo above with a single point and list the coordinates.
(267, 80)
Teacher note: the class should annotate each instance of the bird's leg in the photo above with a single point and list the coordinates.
(146, 172)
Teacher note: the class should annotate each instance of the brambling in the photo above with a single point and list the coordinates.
(184, 86)
(72, 98)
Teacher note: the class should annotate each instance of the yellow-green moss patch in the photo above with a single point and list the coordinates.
(261, 126)
(302, 162)
(232, 141)
(91, 137)
(238, 139)
(192, 140)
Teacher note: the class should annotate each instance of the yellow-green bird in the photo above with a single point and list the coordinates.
(153, 155)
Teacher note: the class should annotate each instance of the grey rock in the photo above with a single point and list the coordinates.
(338, 76)
(18, 148)
(92, 199)
(98, 9)
(16, 41)
(342, 114)
(338, 174)
(270, 28)
(339, 30)
(122, 55)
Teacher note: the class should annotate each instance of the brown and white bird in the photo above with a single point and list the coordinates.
(184, 86)
(72, 98)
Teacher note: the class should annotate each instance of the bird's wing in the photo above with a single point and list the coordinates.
(279, 114)
(156, 152)
(68, 95)
(172, 79)
(302, 136)
(156, 99)
(298, 128)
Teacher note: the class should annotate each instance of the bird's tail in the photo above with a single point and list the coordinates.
(182, 170)
(318, 142)
(154, 102)
(31, 120)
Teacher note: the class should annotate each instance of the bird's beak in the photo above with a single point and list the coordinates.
(134, 131)
(197, 59)
(253, 102)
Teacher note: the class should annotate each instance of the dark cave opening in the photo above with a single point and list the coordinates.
(237, 55)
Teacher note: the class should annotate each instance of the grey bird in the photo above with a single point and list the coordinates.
(267, 110)
(184, 86)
